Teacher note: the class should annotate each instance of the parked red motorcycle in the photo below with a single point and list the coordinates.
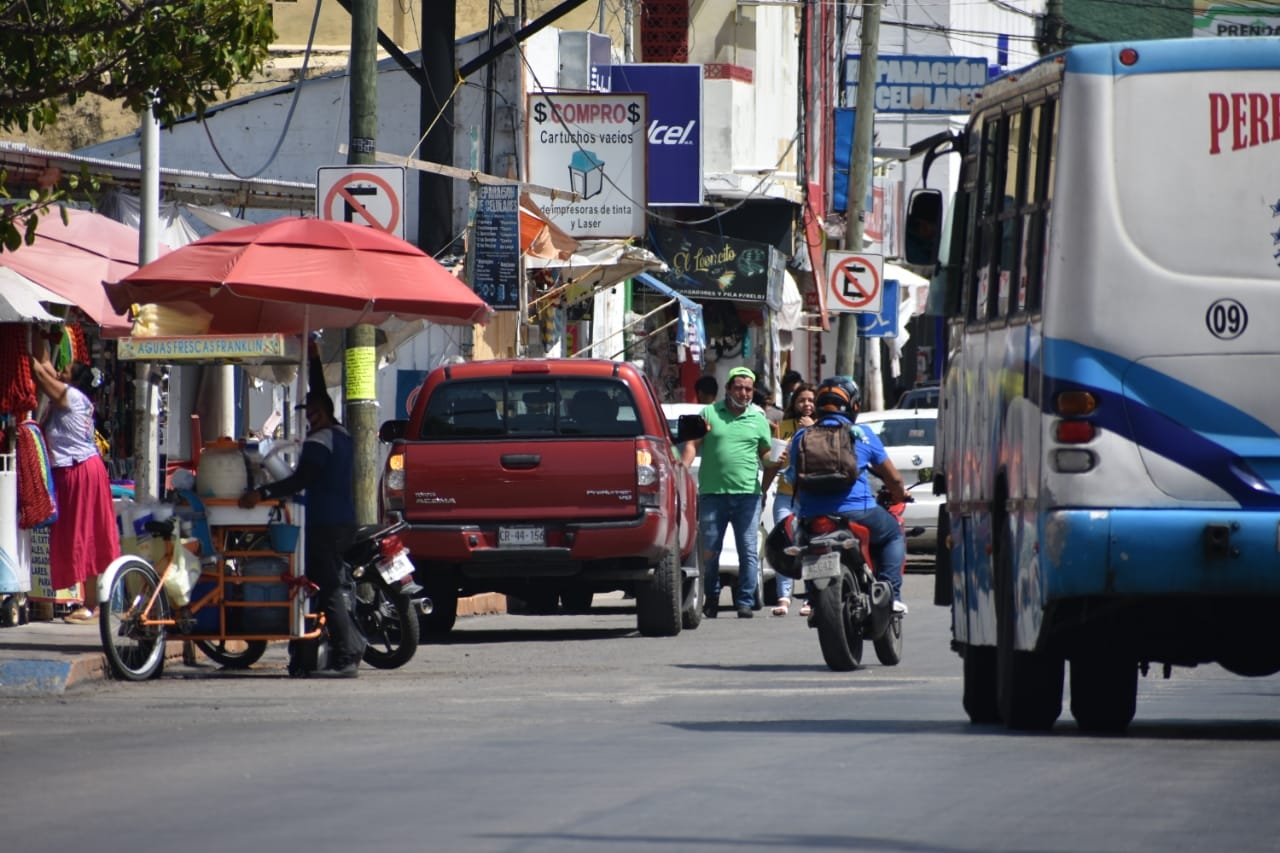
(849, 606)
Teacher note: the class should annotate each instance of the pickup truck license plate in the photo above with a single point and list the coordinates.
(396, 568)
(522, 537)
(814, 566)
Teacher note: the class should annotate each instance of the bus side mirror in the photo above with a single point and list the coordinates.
(924, 225)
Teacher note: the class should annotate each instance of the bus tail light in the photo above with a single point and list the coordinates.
(1075, 404)
(1074, 432)
(1073, 460)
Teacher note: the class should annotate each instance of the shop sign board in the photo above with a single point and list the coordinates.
(941, 85)
(366, 195)
(495, 270)
(194, 348)
(709, 266)
(594, 145)
(674, 131)
(855, 282)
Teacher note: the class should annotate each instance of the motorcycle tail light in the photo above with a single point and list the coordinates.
(389, 547)
(822, 524)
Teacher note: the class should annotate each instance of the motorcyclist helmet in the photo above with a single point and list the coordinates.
(838, 394)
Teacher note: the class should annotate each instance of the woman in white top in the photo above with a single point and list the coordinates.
(83, 540)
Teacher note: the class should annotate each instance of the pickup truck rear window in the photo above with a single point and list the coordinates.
(530, 408)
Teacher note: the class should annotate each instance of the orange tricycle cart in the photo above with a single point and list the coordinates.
(231, 587)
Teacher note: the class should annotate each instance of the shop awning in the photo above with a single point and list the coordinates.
(691, 332)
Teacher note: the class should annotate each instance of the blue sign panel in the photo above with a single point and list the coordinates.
(495, 272)
(884, 324)
(843, 137)
(944, 85)
(675, 127)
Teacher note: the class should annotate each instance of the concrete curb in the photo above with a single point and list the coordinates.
(47, 658)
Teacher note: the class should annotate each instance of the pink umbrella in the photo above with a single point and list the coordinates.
(295, 274)
(73, 260)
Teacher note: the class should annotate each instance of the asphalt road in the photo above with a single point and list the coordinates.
(573, 733)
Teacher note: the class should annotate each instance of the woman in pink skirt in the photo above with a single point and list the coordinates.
(83, 541)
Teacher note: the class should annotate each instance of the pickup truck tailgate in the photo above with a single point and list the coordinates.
(480, 481)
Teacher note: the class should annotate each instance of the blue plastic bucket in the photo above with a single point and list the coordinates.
(284, 537)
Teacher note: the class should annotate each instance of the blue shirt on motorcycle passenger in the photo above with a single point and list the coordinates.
(870, 451)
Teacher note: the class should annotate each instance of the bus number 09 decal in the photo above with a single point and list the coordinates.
(1226, 319)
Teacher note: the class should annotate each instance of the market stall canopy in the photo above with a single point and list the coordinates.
(539, 236)
(24, 301)
(296, 274)
(72, 259)
(596, 264)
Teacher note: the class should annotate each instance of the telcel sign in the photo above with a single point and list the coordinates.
(920, 84)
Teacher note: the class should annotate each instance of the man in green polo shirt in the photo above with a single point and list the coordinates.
(735, 446)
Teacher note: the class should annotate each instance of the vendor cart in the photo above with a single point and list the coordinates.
(227, 578)
(206, 570)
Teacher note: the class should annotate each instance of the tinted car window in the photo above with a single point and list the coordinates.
(534, 407)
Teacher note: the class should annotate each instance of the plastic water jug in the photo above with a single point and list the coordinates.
(222, 472)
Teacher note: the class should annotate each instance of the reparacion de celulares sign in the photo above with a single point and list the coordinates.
(920, 84)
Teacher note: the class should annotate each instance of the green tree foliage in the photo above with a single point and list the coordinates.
(186, 54)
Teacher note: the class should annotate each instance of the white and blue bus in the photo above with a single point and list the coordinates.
(1109, 426)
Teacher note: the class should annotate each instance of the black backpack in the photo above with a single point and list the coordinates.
(826, 462)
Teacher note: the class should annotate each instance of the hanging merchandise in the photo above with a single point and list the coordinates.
(17, 389)
(73, 347)
(37, 506)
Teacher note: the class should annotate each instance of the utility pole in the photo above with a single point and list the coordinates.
(860, 172)
(360, 391)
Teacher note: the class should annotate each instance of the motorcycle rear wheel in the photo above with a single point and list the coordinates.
(389, 623)
(841, 643)
(888, 645)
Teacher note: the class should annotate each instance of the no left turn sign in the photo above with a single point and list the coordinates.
(855, 282)
(366, 195)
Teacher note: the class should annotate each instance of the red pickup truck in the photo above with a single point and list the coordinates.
(549, 480)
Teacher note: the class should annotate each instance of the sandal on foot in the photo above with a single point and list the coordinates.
(806, 609)
(781, 608)
(79, 616)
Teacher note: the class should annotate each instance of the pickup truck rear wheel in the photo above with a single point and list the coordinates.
(658, 601)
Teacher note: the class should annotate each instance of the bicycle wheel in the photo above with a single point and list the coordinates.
(233, 654)
(134, 650)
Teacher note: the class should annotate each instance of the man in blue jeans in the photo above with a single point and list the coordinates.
(837, 402)
(737, 443)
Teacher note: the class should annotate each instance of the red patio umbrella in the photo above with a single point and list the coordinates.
(295, 274)
(73, 259)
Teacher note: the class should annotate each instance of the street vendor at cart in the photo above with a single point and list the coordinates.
(325, 471)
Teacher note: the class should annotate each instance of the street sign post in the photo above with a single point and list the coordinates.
(855, 282)
(365, 195)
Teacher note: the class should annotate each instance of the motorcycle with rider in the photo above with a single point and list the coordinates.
(845, 541)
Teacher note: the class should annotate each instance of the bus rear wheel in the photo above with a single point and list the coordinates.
(1028, 684)
(1104, 693)
(980, 685)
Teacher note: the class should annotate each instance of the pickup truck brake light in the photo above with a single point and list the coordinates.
(647, 479)
(393, 482)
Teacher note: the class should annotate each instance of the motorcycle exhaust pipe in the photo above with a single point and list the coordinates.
(881, 594)
(423, 605)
